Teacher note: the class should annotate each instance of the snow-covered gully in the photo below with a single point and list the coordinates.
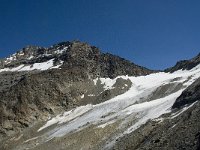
(36, 66)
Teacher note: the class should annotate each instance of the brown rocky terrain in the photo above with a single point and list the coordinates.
(88, 84)
(27, 96)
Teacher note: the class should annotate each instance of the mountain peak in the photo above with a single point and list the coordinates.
(71, 55)
(185, 64)
(72, 90)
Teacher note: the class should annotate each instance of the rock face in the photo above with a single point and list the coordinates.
(76, 55)
(73, 96)
(189, 96)
(28, 96)
(185, 64)
(179, 132)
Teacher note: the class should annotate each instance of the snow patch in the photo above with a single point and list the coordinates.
(60, 51)
(126, 106)
(30, 139)
(67, 116)
(107, 82)
(106, 124)
(82, 96)
(153, 109)
(181, 111)
(11, 58)
(37, 66)
(173, 126)
(31, 57)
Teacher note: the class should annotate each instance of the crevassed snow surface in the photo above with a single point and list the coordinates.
(67, 116)
(126, 106)
(37, 66)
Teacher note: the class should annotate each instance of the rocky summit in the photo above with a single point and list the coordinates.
(73, 96)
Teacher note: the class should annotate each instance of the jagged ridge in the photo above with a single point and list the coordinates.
(30, 97)
(185, 64)
(33, 95)
(76, 55)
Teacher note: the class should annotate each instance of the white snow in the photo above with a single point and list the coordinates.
(107, 82)
(126, 106)
(153, 109)
(30, 139)
(11, 58)
(60, 51)
(173, 126)
(82, 96)
(31, 57)
(95, 81)
(181, 111)
(106, 124)
(21, 53)
(58, 66)
(67, 116)
(37, 66)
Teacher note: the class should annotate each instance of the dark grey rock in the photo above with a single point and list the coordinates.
(178, 133)
(30, 96)
(185, 64)
(189, 96)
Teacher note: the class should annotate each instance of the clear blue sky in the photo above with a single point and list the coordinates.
(152, 33)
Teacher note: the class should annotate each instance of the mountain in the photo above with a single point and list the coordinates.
(185, 64)
(73, 96)
(71, 55)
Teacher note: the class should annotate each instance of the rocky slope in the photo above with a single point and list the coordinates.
(72, 55)
(185, 64)
(189, 96)
(180, 130)
(72, 96)
(37, 82)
